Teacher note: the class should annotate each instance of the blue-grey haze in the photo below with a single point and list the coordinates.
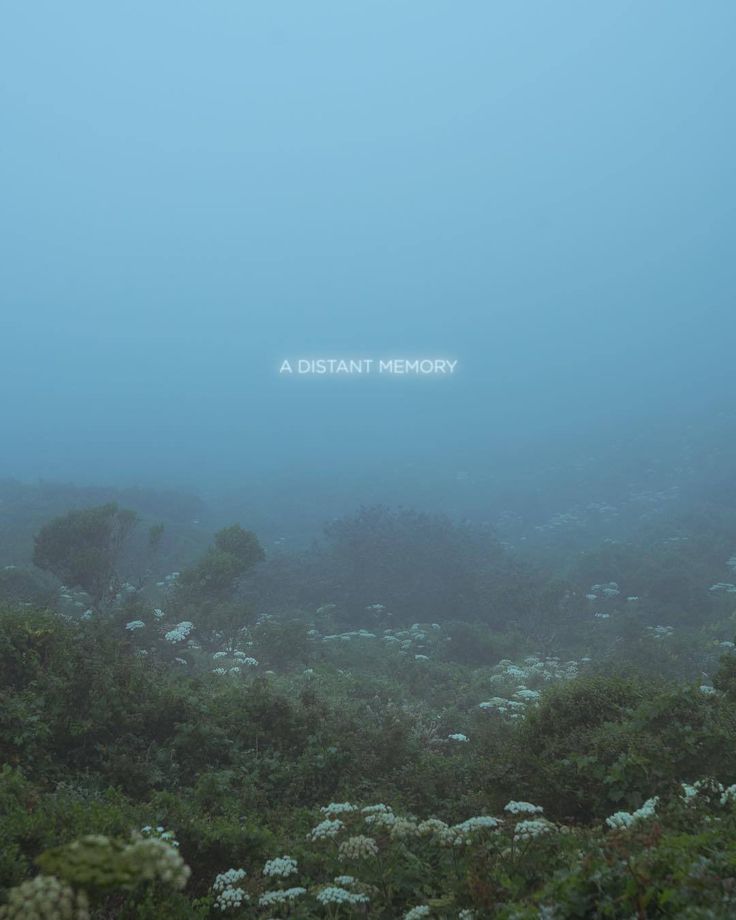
(191, 192)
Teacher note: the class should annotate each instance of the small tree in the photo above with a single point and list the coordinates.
(209, 586)
(242, 544)
(82, 548)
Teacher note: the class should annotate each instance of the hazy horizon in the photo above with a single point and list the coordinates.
(192, 194)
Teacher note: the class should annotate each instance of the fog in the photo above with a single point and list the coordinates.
(193, 193)
(367, 452)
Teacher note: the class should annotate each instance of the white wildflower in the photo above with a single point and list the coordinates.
(522, 808)
(336, 895)
(231, 899)
(281, 867)
(417, 912)
(358, 847)
(326, 829)
(280, 896)
(337, 808)
(534, 827)
(622, 819)
(228, 879)
(179, 632)
(375, 809)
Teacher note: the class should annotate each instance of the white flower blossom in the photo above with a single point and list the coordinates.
(416, 913)
(281, 867)
(179, 632)
(335, 895)
(337, 808)
(522, 808)
(376, 809)
(45, 897)
(231, 898)
(534, 827)
(228, 879)
(358, 847)
(622, 819)
(326, 829)
(280, 896)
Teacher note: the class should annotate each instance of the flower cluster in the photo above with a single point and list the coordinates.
(228, 879)
(513, 679)
(526, 830)
(158, 859)
(610, 589)
(326, 829)
(231, 899)
(660, 632)
(522, 808)
(335, 895)
(416, 913)
(623, 819)
(280, 896)
(357, 847)
(45, 898)
(281, 867)
(337, 808)
(180, 632)
(160, 833)
(457, 834)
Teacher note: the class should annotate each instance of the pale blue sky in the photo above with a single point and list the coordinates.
(192, 191)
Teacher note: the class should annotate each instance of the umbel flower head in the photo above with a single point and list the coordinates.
(333, 894)
(99, 862)
(623, 819)
(358, 847)
(227, 888)
(281, 867)
(45, 898)
(326, 829)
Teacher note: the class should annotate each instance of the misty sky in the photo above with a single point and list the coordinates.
(190, 192)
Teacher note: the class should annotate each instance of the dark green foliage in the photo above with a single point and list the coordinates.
(81, 548)
(417, 566)
(106, 728)
(598, 745)
(241, 544)
(27, 586)
(155, 535)
(725, 677)
(214, 578)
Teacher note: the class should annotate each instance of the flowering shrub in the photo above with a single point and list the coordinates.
(508, 816)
